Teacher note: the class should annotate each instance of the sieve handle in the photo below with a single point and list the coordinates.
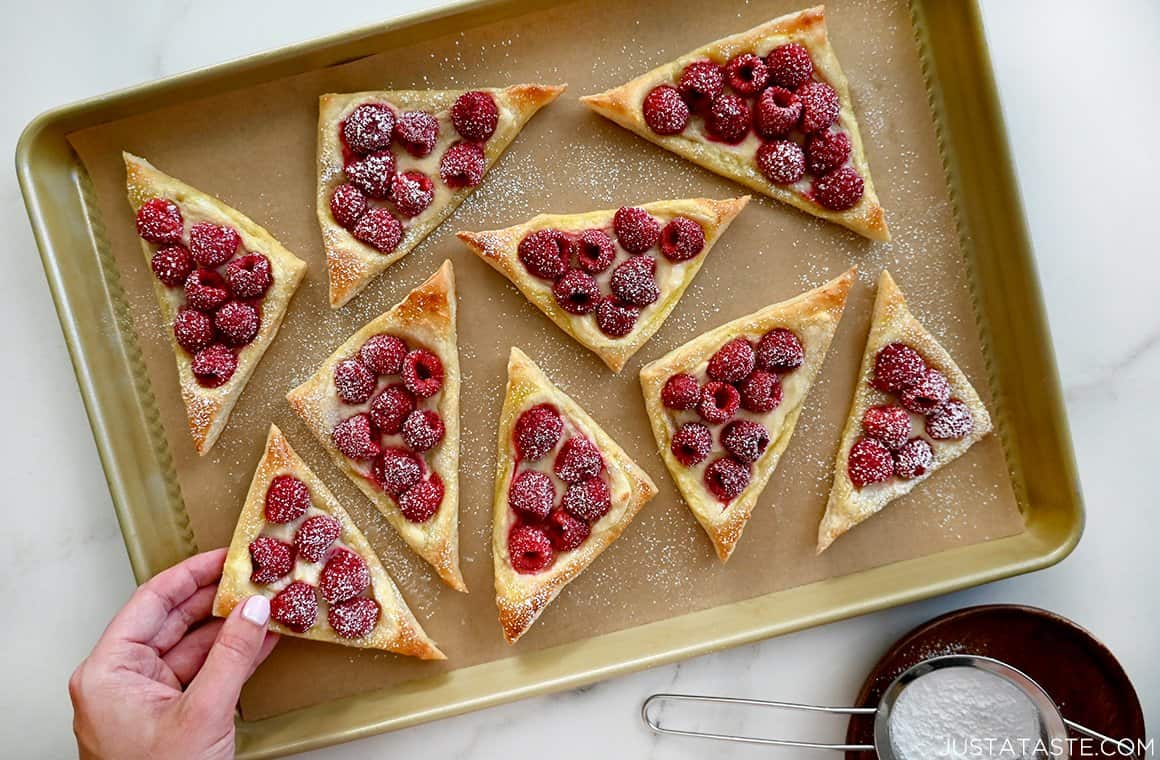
(654, 724)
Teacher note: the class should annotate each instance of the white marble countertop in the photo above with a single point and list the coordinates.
(1075, 97)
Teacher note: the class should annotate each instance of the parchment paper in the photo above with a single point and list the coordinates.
(255, 149)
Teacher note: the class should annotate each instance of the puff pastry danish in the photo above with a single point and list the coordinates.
(724, 405)
(564, 491)
(385, 405)
(913, 412)
(296, 545)
(223, 284)
(393, 165)
(609, 278)
(769, 108)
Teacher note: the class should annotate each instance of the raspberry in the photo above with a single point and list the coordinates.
(344, 576)
(760, 392)
(615, 319)
(372, 173)
(733, 362)
(745, 440)
(729, 118)
(950, 421)
(172, 265)
(588, 500)
(353, 382)
(839, 190)
(423, 429)
(475, 115)
(778, 111)
(545, 253)
(595, 251)
(463, 165)
(356, 438)
(681, 392)
(781, 162)
(249, 276)
(270, 559)
(897, 367)
(391, 407)
(826, 151)
(379, 230)
(212, 245)
(397, 470)
(700, 84)
(747, 74)
(529, 549)
(819, 106)
(421, 501)
(417, 132)
(579, 459)
(928, 394)
(369, 127)
(664, 111)
(577, 292)
(205, 290)
(537, 431)
(193, 330)
(295, 607)
(159, 221)
(532, 494)
(383, 354)
(422, 373)
(214, 366)
(634, 282)
(565, 531)
(691, 443)
(682, 239)
(790, 65)
(412, 192)
(347, 204)
(238, 322)
(354, 618)
(287, 499)
(315, 536)
(719, 402)
(913, 459)
(635, 228)
(869, 462)
(726, 478)
(889, 425)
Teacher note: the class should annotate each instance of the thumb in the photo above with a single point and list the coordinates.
(232, 659)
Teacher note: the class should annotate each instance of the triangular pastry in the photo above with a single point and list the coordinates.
(564, 491)
(724, 405)
(297, 546)
(609, 278)
(392, 165)
(769, 108)
(913, 412)
(386, 407)
(223, 284)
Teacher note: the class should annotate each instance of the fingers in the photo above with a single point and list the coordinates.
(183, 617)
(232, 658)
(188, 655)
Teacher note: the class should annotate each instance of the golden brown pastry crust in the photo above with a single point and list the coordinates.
(521, 598)
(813, 316)
(808, 28)
(426, 317)
(498, 248)
(352, 264)
(892, 321)
(208, 409)
(397, 629)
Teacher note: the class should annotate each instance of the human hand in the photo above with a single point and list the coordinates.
(157, 684)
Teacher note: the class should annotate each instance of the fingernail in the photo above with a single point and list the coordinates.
(256, 610)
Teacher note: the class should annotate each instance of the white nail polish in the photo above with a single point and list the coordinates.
(256, 610)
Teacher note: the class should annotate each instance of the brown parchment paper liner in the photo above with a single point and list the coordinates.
(255, 149)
